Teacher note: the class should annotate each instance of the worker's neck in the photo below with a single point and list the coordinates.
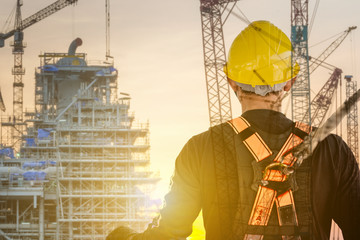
(252, 102)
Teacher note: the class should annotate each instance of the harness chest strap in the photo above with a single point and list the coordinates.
(265, 196)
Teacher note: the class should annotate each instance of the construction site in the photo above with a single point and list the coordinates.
(77, 164)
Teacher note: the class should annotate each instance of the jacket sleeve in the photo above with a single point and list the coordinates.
(346, 211)
(183, 202)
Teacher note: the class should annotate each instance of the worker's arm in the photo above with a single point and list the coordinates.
(336, 188)
(182, 203)
(347, 201)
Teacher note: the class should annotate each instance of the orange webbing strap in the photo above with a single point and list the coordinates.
(253, 142)
(266, 197)
(261, 210)
(285, 209)
(292, 141)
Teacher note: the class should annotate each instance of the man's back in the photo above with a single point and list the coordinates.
(328, 186)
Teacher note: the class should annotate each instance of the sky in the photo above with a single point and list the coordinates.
(157, 49)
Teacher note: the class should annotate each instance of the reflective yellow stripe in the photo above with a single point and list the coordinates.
(261, 210)
(289, 159)
(253, 237)
(264, 201)
(303, 127)
(290, 143)
(254, 143)
(239, 124)
(257, 147)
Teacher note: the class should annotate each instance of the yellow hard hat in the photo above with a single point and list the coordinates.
(260, 55)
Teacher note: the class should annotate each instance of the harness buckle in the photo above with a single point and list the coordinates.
(285, 169)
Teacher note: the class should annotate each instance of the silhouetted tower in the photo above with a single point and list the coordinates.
(18, 71)
(352, 119)
(316, 62)
(212, 12)
(300, 92)
(322, 101)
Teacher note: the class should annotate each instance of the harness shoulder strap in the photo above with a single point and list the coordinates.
(252, 140)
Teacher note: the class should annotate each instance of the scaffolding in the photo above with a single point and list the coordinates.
(83, 165)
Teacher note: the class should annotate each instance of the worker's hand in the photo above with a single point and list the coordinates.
(121, 233)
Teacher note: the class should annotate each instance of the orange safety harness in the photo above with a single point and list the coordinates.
(274, 179)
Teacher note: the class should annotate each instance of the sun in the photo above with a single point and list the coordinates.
(198, 226)
(198, 229)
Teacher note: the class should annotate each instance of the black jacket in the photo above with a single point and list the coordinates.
(334, 185)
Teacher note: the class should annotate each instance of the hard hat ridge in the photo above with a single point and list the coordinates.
(261, 56)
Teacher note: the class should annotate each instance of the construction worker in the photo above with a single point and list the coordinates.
(245, 175)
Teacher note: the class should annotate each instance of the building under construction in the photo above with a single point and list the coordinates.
(81, 167)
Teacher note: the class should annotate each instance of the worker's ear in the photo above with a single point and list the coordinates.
(233, 85)
(289, 84)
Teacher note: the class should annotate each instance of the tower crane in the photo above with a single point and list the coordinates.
(18, 50)
(107, 27)
(300, 91)
(18, 47)
(212, 12)
(322, 101)
(315, 62)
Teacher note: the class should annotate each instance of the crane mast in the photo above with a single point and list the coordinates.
(300, 92)
(107, 29)
(352, 119)
(18, 71)
(214, 59)
(322, 101)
